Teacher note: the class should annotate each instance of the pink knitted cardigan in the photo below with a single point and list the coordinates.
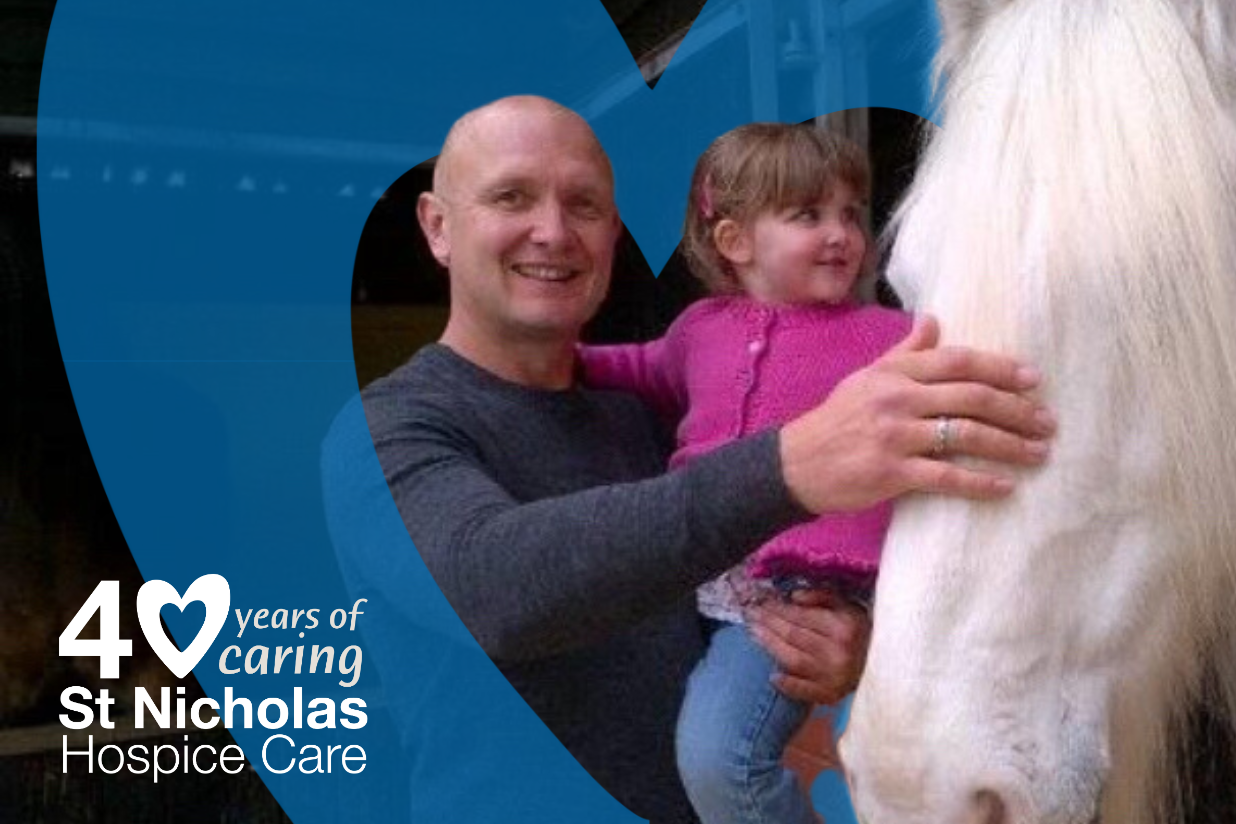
(729, 367)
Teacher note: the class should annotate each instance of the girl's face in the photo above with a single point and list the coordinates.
(805, 254)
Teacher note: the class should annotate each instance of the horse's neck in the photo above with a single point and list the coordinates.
(1079, 210)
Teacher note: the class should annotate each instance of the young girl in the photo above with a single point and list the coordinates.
(775, 229)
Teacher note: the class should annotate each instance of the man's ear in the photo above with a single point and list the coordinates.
(431, 214)
(733, 242)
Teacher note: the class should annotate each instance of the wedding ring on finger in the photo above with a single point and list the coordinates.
(945, 434)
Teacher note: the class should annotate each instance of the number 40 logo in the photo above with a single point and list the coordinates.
(212, 590)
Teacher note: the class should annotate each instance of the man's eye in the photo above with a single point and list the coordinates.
(510, 198)
(587, 209)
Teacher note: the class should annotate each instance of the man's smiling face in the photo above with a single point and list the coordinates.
(527, 223)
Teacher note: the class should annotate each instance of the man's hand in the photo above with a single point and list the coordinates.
(879, 434)
(818, 640)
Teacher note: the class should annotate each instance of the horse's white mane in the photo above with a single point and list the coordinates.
(1210, 24)
(1079, 209)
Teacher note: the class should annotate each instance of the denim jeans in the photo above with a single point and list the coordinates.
(732, 731)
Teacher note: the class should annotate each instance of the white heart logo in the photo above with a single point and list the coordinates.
(212, 590)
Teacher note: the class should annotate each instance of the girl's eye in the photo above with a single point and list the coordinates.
(807, 215)
(852, 214)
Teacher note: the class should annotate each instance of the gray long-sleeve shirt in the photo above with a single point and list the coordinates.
(548, 522)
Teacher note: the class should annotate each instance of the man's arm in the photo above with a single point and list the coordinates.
(530, 579)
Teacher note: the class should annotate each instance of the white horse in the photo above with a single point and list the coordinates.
(1037, 660)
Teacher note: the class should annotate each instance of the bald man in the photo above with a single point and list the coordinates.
(522, 215)
(542, 508)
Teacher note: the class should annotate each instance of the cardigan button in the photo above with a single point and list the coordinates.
(755, 347)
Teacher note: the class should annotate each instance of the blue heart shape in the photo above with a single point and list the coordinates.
(204, 175)
(184, 624)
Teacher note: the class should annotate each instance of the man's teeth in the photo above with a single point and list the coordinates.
(550, 273)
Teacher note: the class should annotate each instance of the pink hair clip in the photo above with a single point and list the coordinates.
(706, 207)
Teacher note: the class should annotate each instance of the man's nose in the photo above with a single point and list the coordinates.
(550, 223)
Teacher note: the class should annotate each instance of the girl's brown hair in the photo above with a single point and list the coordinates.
(764, 167)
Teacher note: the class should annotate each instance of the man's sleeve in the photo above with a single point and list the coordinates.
(534, 579)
